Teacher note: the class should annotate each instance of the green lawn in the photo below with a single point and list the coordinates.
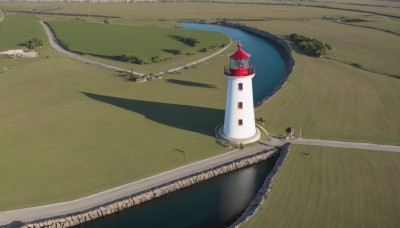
(379, 22)
(182, 10)
(332, 187)
(331, 100)
(143, 42)
(15, 30)
(69, 129)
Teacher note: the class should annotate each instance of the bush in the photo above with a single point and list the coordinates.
(154, 59)
(192, 42)
(310, 46)
(34, 43)
(130, 59)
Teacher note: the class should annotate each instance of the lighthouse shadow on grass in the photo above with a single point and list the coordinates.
(189, 83)
(191, 118)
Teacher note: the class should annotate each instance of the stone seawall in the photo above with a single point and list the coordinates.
(264, 190)
(279, 43)
(80, 217)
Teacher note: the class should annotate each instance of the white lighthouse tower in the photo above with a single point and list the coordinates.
(239, 125)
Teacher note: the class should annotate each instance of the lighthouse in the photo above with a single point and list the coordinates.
(239, 125)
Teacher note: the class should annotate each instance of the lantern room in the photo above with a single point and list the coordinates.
(239, 65)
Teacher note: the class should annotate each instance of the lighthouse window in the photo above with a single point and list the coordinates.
(240, 105)
(240, 122)
(240, 86)
(236, 63)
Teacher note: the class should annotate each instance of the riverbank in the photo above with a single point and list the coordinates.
(238, 159)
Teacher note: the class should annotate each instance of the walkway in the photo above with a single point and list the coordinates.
(51, 210)
(341, 144)
(58, 48)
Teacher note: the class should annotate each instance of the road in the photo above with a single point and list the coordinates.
(51, 210)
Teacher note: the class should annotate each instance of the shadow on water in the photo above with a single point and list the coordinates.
(188, 83)
(186, 117)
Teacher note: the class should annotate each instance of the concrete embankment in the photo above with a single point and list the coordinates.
(279, 43)
(80, 217)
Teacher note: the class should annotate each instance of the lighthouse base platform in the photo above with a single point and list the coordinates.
(220, 135)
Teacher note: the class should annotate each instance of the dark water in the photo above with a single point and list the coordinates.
(220, 201)
(213, 203)
(269, 63)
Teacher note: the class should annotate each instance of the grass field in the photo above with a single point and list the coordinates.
(331, 100)
(70, 124)
(391, 25)
(331, 187)
(183, 11)
(143, 42)
(12, 38)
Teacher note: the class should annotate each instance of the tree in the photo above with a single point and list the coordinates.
(34, 43)
(192, 42)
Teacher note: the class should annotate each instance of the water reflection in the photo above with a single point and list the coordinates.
(241, 193)
(214, 203)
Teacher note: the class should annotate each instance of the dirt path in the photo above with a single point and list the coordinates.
(58, 48)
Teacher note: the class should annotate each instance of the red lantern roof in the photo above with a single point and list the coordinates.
(240, 54)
